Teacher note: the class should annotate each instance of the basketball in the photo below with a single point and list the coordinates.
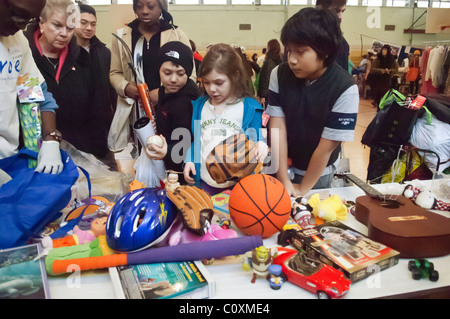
(259, 205)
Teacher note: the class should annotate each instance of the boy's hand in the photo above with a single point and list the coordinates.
(156, 152)
(188, 168)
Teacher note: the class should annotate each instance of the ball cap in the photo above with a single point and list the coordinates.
(178, 53)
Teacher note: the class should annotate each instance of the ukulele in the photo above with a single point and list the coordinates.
(399, 223)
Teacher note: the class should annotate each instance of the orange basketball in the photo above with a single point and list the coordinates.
(259, 205)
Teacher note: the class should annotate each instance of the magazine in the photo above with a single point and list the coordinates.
(189, 279)
(22, 275)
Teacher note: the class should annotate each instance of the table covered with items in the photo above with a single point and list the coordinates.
(251, 242)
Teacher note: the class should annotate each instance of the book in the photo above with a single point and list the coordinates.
(181, 280)
(220, 202)
(22, 274)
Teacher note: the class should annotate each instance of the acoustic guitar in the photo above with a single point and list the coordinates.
(399, 223)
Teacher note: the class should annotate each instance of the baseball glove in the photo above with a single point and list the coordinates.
(233, 159)
(195, 206)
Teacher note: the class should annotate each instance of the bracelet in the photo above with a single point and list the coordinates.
(55, 134)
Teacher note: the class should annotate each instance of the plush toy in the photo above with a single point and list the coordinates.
(425, 198)
(329, 209)
(179, 234)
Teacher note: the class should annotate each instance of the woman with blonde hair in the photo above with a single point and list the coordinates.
(65, 67)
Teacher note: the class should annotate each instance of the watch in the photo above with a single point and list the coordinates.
(55, 134)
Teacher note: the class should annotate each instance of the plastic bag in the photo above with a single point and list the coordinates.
(150, 172)
(103, 181)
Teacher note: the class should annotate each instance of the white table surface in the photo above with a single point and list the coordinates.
(234, 283)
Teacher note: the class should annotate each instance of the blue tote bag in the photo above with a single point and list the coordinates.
(31, 200)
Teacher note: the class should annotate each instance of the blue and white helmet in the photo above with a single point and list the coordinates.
(140, 219)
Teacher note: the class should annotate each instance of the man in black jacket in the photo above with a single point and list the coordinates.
(104, 97)
(338, 7)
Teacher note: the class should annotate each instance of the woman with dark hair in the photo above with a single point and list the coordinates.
(273, 58)
(383, 68)
(134, 52)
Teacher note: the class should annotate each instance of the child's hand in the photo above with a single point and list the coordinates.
(188, 168)
(156, 152)
(261, 151)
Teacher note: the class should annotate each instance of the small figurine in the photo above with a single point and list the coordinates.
(422, 268)
(301, 212)
(261, 258)
(171, 182)
(275, 277)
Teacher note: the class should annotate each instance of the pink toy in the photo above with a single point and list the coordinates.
(180, 235)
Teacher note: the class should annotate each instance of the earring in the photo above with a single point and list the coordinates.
(161, 16)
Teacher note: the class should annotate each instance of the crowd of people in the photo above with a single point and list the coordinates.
(91, 92)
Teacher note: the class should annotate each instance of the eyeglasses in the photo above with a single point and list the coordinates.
(18, 18)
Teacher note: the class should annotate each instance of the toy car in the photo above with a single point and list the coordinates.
(312, 275)
(422, 268)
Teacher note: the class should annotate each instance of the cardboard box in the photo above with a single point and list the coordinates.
(345, 249)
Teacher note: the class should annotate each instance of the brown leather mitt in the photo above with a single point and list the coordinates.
(195, 206)
(233, 159)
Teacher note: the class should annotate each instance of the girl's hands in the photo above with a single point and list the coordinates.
(261, 151)
(189, 168)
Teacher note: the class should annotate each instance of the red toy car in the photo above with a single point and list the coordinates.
(312, 275)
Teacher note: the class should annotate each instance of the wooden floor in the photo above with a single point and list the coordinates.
(355, 151)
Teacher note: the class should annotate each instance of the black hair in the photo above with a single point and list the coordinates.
(329, 3)
(84, 8)
(317, 28)
(167, 18)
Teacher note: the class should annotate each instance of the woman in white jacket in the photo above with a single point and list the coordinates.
(133, 61)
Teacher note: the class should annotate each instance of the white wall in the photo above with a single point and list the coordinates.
(211, 24)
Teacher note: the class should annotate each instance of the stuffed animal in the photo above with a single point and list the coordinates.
(425, 198)
(329, 209)
(179, 234)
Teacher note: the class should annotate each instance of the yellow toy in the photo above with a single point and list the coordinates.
(329, 209)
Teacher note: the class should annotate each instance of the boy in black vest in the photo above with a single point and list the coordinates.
(313, 103)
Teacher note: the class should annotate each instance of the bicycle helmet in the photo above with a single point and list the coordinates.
(140, 219)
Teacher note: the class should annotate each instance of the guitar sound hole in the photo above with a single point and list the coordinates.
(389, 204)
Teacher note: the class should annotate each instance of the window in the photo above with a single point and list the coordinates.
(186, 1)
(99, 2)
(298, 2)
(248, 2)
(372, 3)
(395, 3)
(214, 1)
